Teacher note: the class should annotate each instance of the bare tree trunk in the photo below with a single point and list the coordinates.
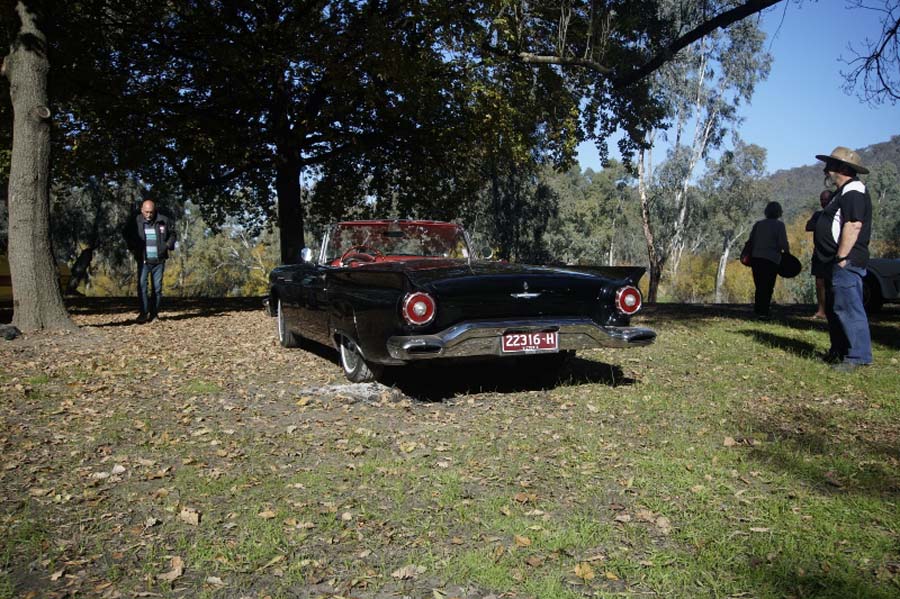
(698, 149)
(37, 302)
(720, 271)
(652, 255)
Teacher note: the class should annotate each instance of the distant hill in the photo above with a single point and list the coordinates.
(798, 188)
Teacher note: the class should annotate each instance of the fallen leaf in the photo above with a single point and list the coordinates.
(266, 514)
(584, 571)
(522, 541)
(664, 526)
(214, 581)
(408, 572)
(177, 570)
(611, 576)
(190, 516)
(729, 442)
(535, 561)
(645, 515)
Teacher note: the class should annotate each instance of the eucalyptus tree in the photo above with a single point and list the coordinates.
(884, 187)
(704, 85)
(591, 222)
(735, 192)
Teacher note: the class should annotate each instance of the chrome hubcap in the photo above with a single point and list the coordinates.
(280, 323)
(349, 356)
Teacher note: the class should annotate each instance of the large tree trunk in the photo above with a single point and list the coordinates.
(290, 207)
(288, 167)
(37, 302)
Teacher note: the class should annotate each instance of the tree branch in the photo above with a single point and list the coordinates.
(722, 21)
(530, 58)
(622, 78)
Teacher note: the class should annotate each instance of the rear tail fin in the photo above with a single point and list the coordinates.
(630, 274)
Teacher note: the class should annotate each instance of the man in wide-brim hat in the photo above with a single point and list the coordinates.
(841, 241)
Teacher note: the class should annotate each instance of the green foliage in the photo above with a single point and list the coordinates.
(229, 262)
(593, 215)
(883, 184)
(696, 280)
(513, 213)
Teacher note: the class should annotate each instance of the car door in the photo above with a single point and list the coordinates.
(313, 302)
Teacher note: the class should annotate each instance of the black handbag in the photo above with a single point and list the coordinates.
(790, 266)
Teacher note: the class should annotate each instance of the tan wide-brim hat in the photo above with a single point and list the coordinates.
(847, 156)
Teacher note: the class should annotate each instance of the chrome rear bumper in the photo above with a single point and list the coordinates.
(483, 338)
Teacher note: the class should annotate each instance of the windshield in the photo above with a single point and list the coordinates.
(397, 240)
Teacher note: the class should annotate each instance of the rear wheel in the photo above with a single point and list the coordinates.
(285, 336)
(356, 369)
(872, 300)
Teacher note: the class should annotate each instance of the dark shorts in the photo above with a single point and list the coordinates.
(817, 268)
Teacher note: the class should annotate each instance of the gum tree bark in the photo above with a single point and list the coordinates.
(37, 302)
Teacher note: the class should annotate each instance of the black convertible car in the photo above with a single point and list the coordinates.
(391, 292)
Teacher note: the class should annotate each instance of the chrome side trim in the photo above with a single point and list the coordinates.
(482, 338)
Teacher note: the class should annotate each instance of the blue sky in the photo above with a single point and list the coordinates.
(801, 110)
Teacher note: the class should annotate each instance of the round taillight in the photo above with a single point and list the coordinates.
(418, 308)
(628, 300)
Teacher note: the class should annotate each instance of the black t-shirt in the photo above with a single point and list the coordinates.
(851, 203)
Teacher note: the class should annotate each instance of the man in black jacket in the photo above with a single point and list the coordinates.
(150, 237)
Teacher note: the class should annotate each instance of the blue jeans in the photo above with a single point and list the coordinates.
(848, 325)
(150, 304)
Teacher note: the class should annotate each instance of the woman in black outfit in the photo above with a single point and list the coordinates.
(769, 241)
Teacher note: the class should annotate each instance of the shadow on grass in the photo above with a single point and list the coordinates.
(884, 326)
(809, 445)
(787, 580)
(174, 309)
(439, 381)
(799, 348)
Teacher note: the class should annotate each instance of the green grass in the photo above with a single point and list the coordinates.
(200, 388)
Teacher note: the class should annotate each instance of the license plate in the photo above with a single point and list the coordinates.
(529, 342)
